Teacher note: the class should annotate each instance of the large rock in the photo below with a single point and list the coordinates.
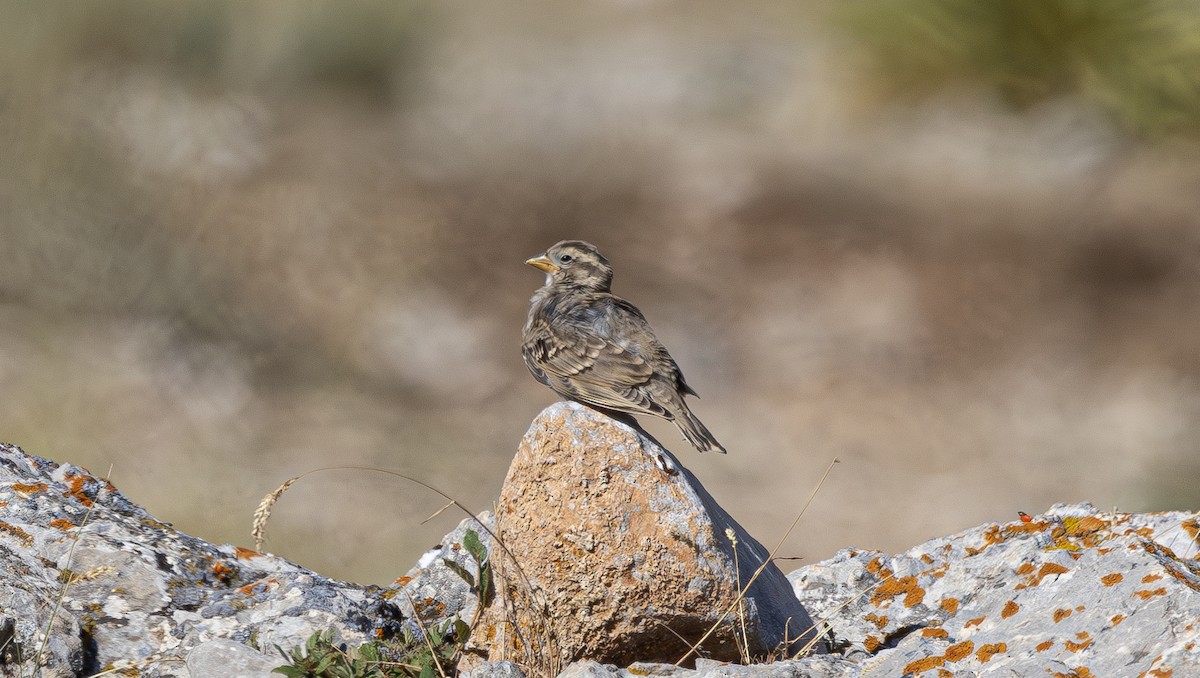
(614, 552)
(1075, 592)
(91, 582)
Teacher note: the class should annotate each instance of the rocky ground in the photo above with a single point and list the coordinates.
(91, 582)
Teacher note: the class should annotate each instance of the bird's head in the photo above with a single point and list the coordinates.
(575, 263)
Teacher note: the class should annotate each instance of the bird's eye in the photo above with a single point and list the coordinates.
(564, 258)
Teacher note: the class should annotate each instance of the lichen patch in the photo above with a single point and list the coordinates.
(985, 652)
(17, 533)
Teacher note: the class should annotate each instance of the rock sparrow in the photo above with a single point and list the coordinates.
(589, 345)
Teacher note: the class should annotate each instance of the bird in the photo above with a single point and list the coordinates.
(592, 346)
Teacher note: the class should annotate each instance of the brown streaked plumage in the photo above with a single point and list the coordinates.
(592, 346)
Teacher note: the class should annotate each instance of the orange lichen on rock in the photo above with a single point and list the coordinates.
(429, 607)
(259, 586)
(1087, 525)
(1151, 577)
(934, 632)
(1192, 527)
(949, 604)
(1117, 619)
(879, 620)
(1147, 594)
(1026, 528)
(75, 485)
(34, 488)
(958, 651)
(223, 571)
(1061, 614)
(62, 524)
(242, 553)
(1046, 570)
(974, 622)
(937, 572)
(953, 653)
(875, 567)
(906, 586)
(872, 643)
(921, 665)
(993, 535)
(1044, 645)
(20, 535)
(989, 650)
(1010, 608)
(1156, 672)
(1110, 579)
(1035, 579)
(1084, 640)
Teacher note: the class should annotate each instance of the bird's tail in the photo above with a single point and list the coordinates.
(696, 432)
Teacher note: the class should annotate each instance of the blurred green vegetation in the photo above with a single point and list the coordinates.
(1137, 59)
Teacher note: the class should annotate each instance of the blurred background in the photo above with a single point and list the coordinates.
(955, 245)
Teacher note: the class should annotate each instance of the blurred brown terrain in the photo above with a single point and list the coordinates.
(958, 251)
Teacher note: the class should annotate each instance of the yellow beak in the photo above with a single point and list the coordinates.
(542, 263)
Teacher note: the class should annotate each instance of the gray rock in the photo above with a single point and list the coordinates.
(1117, 594)
(117, 589)
(813, 666)
(654, 669)
(809, 667)
(588, 669)
(437, 591)
(222, 658)
(495, 670)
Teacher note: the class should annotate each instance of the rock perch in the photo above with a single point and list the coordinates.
(616, 553)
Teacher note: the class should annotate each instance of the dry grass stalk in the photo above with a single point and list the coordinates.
(71, 578)
(546, 659)
(744, 646)
(425, 635)
(822, 624)
(770, 558)
(263, 513)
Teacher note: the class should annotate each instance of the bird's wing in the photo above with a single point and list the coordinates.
(567, 351)
(596, 356)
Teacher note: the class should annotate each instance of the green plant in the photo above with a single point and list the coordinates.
(1138, 60)
(406, 656)
(481, 580)
(433, 653)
